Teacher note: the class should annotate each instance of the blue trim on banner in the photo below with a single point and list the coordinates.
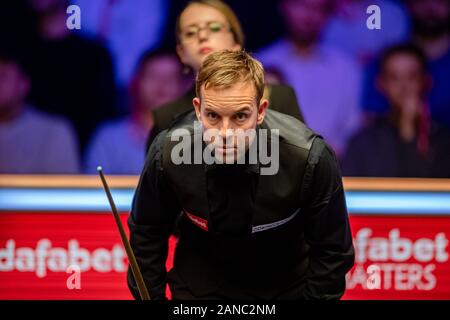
(358, 202)
(63, 199)
(433, 203)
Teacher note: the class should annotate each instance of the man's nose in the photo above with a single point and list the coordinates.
(226, 125)
(226, 131)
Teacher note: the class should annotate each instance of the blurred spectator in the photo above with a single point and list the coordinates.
(348, 30)
(71, 75)
(128, 28)
(260, 33)
(405, 143)
(120, 146)
(430, 31)
(203, 27)
(30, 141)
(326, 81)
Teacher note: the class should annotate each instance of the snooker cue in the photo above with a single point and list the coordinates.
(133, 263)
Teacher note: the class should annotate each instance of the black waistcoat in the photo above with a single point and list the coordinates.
(272, 255)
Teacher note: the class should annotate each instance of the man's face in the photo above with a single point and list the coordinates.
(158, 82)
(203, 30)
(430, 17)
(13, 86)
(230, 112)
(402, 78)
(306, 19)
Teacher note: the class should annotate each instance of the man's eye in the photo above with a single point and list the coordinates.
(212, 116)
(241, 116)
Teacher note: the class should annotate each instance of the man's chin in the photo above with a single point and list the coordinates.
(226, 151)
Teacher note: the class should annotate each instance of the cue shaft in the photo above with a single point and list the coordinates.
(133, 263)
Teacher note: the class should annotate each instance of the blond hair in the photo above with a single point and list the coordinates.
(222, 7)
(222, 69)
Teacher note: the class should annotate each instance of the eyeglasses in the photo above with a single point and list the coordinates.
(213, 27)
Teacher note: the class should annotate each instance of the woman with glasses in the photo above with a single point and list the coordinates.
(206, 26)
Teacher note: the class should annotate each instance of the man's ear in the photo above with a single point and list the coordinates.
(263, 104)
(196, 102)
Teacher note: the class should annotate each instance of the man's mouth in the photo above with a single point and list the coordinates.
(226, 150)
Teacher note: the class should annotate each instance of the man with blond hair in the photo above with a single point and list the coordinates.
(256, 196)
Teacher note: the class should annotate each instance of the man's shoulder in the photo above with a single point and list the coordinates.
(291, 130)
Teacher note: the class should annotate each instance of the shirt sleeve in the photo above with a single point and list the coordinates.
(151, 223)
(327, 229)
